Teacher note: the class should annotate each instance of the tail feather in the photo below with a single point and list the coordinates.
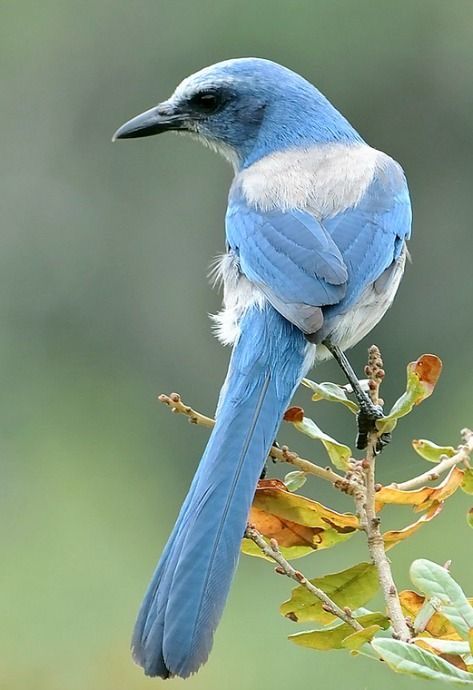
(185, 600)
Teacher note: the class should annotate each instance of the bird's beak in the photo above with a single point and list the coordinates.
(161, 118)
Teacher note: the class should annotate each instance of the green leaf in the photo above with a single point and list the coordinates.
(469, 518)
(338, 453)
(435, 581)
(467, 483)
(407, 658)
(330, 392)
(456, 619)
(353, 588)
(422, 376)
(431, 451)
(294, 480)
(333, 638)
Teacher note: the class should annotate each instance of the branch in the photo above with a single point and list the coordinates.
(177, 406)
(366, 505)
(279, 454)
(370, 523)
(283, 454)
(463, 454)
(272, 551)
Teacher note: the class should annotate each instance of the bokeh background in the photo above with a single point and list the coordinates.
(104, 302)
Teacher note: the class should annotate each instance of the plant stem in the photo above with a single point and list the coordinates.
(370, 522)
(365, 501)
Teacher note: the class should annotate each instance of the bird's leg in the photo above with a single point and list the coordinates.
(369, 412)
(367, 406)
(264, 471)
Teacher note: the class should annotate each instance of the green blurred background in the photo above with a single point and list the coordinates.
(104, 302)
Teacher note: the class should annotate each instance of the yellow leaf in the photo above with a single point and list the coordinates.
(333, 637)
(338, 453)
(467, 483)
(422, 376)
(352, 588)
(358, 639)
(330, 392)
(431, 451)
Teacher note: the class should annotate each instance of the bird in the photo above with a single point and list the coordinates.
(316, 230)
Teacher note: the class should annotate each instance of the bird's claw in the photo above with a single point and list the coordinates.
(366, 420)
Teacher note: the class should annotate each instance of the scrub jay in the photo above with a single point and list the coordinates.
(316, 231)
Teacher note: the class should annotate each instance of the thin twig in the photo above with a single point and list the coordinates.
(283, 454)
(463, 454)
(272, 551)
(177, 406)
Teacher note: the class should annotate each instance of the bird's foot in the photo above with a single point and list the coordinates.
(366, 421)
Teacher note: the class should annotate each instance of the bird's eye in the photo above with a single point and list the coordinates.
(206, 102)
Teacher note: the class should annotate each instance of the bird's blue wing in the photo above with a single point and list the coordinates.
(303, 265)
(291, 257)
(372, 235)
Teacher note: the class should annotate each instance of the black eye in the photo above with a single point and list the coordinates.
(206, 102)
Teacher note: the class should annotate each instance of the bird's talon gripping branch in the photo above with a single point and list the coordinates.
(366, 422)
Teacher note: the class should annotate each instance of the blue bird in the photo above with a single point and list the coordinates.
(316, 232)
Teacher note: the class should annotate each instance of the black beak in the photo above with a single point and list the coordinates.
(154, 121)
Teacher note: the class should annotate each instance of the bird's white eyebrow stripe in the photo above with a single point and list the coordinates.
(311, 179)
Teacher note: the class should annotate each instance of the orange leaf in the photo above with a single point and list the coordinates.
(393, 537)
(421, 499)
(294, 414)
(300, 525)
(286, 533)
(428, 369)
(455, 660)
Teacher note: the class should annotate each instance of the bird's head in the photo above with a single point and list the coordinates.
(245, 108)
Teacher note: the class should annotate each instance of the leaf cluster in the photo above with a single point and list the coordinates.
(439, 616)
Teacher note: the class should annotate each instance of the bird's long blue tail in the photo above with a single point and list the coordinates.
(185, 599)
